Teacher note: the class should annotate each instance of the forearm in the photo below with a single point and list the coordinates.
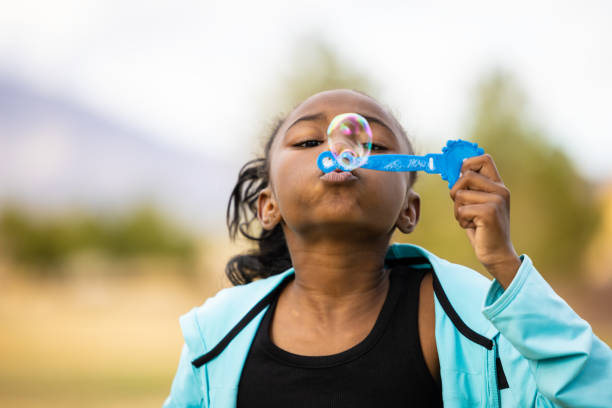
(570, 365)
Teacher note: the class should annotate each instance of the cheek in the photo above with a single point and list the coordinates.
(389, 184)
(292, 178)
(389, 191)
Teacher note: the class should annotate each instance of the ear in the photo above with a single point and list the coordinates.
(268, 211)
(409, 216)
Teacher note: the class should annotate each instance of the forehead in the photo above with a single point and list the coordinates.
(332, 103)
(339, 101)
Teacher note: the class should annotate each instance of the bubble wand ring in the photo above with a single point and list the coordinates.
(447, 164)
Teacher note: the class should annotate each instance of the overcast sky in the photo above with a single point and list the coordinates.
(193, 71)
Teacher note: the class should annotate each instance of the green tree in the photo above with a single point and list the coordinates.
(46, 242)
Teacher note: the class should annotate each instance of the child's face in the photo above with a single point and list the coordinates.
(374, 203)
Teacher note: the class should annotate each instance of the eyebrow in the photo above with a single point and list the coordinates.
(320, 116)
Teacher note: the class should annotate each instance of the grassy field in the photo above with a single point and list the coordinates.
(115, 342)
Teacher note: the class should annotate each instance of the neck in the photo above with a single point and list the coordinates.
(338, 276)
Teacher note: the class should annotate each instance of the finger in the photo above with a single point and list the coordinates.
(471, 180)
(473, 215)
(482, 164)
(465, 197)
(470, 197)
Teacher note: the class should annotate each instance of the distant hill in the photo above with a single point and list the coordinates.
(55, 153)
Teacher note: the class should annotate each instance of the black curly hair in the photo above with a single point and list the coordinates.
(271, 256)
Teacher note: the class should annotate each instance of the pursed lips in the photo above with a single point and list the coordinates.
(337, 176)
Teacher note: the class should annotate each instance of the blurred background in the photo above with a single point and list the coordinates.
(123, 126)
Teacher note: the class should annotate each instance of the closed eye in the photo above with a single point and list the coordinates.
(308, 143)
(315, 143)
(378, 148)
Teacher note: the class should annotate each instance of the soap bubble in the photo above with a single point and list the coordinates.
(350, 140)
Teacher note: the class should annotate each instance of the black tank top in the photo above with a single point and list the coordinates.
(386, 369)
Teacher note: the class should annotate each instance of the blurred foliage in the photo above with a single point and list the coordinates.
(48, 242)
(553, 208)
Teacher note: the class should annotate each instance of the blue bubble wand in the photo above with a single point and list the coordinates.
(447, 164)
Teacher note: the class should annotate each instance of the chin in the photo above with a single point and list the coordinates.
(345, 226)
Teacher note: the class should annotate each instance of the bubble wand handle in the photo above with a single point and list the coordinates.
(447, 164)
(402, 162)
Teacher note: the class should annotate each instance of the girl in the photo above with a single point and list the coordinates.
(325, 313)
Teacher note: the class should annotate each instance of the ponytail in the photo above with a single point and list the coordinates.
(271, 256)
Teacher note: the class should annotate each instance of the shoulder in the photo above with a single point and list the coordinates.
(454, 278)
(207, 324)
(464, 287)
(466, 290)
(459, 280)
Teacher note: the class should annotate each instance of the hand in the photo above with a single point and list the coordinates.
(482, 208)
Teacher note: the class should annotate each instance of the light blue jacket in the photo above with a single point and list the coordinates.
(550, 356)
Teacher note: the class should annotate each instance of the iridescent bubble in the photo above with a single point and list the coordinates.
(350, 140)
